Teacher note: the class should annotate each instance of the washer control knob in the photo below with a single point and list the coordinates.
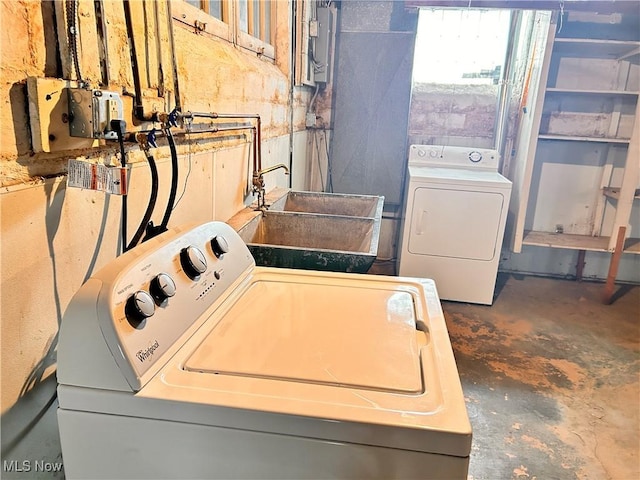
(193, 262)
(219, 245)
(475, 156)
(161, 288)
(139, 307)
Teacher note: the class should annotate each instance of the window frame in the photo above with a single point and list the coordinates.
(203, 22)
(228, 28)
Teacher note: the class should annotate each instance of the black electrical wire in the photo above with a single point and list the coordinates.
(119, 126)
(186, 178)
(72, 33)
(150, 206)
(174, 179)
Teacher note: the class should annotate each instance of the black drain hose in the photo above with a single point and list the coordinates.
(152, 230)
(174, 179)
(152, 202)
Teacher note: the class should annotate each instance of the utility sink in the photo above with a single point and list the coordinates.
(312, 242)
(315, 231)
(329, 204)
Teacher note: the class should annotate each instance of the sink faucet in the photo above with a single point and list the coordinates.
(258, 182)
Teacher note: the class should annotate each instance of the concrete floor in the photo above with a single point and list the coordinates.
(550, 376)
(551, 380)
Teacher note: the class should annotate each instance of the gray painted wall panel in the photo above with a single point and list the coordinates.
(373, 89)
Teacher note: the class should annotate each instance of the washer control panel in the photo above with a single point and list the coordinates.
(453, 157)
(156, 292)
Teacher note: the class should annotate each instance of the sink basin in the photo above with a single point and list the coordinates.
(329, 204)
(313, 230)
(312, 241)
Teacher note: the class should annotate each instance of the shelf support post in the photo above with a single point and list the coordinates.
(607, 294)
(580, 265)
(630, 180)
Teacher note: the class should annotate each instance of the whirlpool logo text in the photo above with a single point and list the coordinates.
(147, 353)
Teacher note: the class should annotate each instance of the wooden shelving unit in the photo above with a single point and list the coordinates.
(576, 138)
(582, 157)
(632, 245)
(595, 47)
(577, 91)
(567, 240)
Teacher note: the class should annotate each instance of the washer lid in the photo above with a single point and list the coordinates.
(337, 335)
(459, 176)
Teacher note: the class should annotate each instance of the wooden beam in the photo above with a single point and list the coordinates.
(599, 6)
(607, 293)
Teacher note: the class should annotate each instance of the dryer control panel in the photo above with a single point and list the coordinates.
(445, 156)
(148, 298)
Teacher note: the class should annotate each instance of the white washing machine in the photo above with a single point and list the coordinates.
(182, 359)
(456, 210)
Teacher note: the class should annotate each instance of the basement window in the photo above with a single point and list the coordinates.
(461, 46)
(457, 74)
(212, 7)
(247, 23)
(255, 19)
(255, 25)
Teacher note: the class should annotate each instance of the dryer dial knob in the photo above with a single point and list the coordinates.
(139, 307)
(219, 245)
(475, 156)
(162, 287)
(193, 262)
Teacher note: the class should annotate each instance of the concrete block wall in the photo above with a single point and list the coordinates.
(462, 115)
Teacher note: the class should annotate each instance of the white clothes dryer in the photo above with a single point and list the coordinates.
(182, 359)
(455, 215)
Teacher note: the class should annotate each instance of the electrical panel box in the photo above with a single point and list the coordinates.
(49, 116)
(323, 45)
(91, 112)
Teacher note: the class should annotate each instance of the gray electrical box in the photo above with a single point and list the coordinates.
(323, 45)
(91, 112)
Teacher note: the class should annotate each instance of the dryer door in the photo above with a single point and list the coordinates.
(455, 223)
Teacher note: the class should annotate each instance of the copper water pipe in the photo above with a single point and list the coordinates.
(257, 152)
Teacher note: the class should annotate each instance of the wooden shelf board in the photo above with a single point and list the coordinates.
(632, 245)
(595, 48)
(577, 91)
(577, 242)
(566, 240)
(631, 53)
(611, 192)
(614, 192)
(574, 138)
